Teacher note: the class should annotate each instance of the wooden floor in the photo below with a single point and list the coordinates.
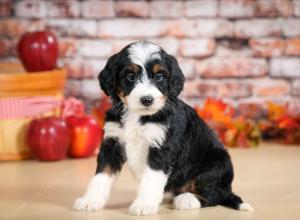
(267, 177)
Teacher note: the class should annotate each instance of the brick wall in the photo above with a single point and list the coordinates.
(240, 50)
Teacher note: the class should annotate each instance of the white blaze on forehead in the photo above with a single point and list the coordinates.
(142, 51)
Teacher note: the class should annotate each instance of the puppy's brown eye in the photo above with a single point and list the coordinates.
(159, 77)
(131, 77)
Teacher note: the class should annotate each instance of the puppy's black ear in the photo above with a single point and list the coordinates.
(177, 78)
(107, 77)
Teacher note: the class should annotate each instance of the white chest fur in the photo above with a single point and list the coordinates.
(137, 139)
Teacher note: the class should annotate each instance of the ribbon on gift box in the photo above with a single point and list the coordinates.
(72, 106)
(22, 107)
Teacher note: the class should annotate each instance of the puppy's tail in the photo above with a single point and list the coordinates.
(235, 202)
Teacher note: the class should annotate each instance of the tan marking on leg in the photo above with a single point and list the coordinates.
(189, 187)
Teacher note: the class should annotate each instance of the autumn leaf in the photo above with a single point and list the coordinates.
(275, 111)
(281, 124)
(288, 123)
(217, 111)
(233, 131)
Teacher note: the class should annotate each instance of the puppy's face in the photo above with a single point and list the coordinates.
(143, 88)
(143, 77)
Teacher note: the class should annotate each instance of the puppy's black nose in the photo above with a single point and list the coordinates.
(146, 100)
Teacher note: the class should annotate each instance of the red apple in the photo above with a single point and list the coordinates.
(48, 138)
(38, 51)
(86, 136)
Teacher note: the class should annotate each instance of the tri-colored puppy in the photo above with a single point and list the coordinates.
(167, 146)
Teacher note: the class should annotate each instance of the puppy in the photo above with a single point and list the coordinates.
(167, 146)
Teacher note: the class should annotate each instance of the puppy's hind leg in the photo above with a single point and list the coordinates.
(235, 202)
(186, 201)
(212, 193)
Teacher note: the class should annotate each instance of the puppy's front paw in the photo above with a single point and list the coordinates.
(89, 203)
(143, 207)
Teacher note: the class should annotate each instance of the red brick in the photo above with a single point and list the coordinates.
(5, 8)
(92, 67)
(15, 28)
(267, 47)
(132, 8)
(258, 28)
(73, 88)
(294, 106)
(233, 43)
(73, 28)
(285, 67)
(232, 67)
(200, 28)
(97, 9)
(275, 8)
(187, 67)
(120, 44)
(292, 47)
(121, 28)
(169, 44)
(79, 68)
(67, 47)
(296, 4)
(63, 8)
(282, 100)
(225, 51)
(291, 27)
(90, 89)
(95, 48)
(233, 89)
(197, 47)
(74, 67)
(270, 87)
(31, 8)
(233, 47)
(6, 47)
(236, 8)
(296, 88)
(196, 89)
(166, 8)
(60, 27)
(197, 101)
(201, 8)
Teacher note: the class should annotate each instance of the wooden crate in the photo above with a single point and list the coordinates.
(15, 82)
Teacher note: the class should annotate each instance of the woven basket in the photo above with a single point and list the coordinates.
(14, 82)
